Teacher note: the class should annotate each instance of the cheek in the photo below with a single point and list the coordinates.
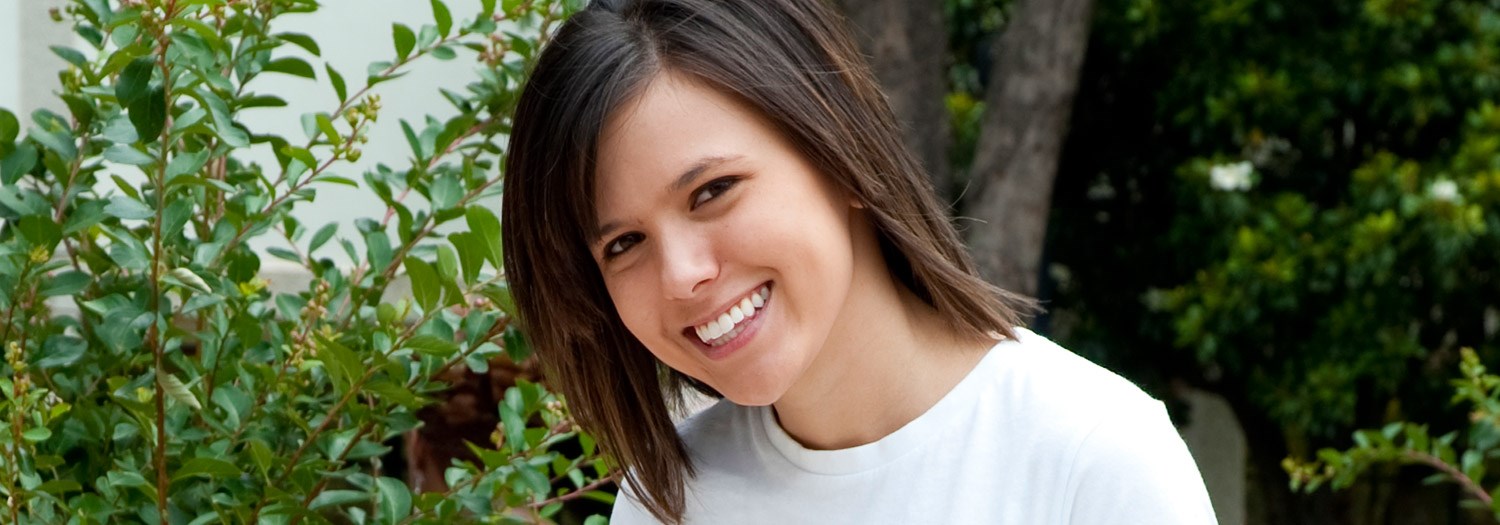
(630, 300)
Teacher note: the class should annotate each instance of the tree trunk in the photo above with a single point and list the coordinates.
(1027, 106)
(906, 41)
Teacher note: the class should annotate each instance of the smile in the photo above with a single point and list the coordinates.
(731, 322)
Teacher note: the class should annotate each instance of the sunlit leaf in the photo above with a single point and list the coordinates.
(178, 391)
(292, 66)
(404, 40)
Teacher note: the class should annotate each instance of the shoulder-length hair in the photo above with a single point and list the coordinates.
(794, 63)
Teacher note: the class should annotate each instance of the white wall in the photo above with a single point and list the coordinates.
(10, 55)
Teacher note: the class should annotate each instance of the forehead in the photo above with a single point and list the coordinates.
(675, 122)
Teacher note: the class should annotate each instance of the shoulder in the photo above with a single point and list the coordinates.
(1124, 459)
(1045, 378)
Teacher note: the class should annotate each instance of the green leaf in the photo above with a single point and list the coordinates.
(58, 487)
(60, 143)
(36, 434)
(339, 499)
(260, 453)
(16, 163)
(186, 162)
(485, 225)
(335, 179)
(322, 236)
(284, 254)
(338, 82)
(326, 126)
(212, 468)
(378, 249)
(208, 34)
(427, 36)
(470, 254)
(343, 364)
(433, 345)
(66, 283)
(10, 128)
(415, 143)
(302, 41)
(189, 279)
(398, 394)
(442, 16)
(262, 101)
(447, 264)
(292, 66)
(224, 126)
(70, 55)
(446, 191)
(149, 114)
(513, 421)
(134, 80)
(40, 231)
(395, 500)
(178, 391)
(424, 283)
(128, 208)
(404, 40)
(61, 350)
(126, 154)
(443, 53)
(301, 154)
(22, 201)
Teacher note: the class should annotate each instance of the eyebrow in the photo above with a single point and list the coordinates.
(697, 169)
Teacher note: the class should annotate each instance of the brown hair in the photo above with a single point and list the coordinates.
(790, 60)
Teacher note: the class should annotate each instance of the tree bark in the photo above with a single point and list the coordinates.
(1027, 106)
(906, 41)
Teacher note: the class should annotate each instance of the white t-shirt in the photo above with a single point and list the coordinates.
(1033, 435)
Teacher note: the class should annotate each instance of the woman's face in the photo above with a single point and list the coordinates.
(724, 251)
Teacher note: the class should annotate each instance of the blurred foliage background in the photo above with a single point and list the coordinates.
(1294, 205)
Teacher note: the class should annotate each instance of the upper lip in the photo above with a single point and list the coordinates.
(725, 306)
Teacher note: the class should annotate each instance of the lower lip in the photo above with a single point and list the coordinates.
(716, 353)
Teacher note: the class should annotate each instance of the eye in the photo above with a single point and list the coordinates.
(714, 188)
(620, 245)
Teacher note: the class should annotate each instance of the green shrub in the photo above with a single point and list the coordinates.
(1411, 444)
(152, 376)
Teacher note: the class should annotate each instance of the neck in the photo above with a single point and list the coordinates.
(888, 359)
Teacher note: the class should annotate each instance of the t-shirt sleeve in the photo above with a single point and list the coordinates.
(1134, 469)
(628, 509)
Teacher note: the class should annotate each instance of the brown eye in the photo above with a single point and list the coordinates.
(620, 245)
(714, 188)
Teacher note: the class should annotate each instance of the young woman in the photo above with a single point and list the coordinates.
(714, 194)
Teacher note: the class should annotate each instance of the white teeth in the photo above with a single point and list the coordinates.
(726, 326)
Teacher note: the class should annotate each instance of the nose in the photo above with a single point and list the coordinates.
(688, 263)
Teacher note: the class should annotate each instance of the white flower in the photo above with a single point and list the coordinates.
(1231, 177)
(1443, 190)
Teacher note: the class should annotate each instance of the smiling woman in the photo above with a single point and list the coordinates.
(714, 195)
